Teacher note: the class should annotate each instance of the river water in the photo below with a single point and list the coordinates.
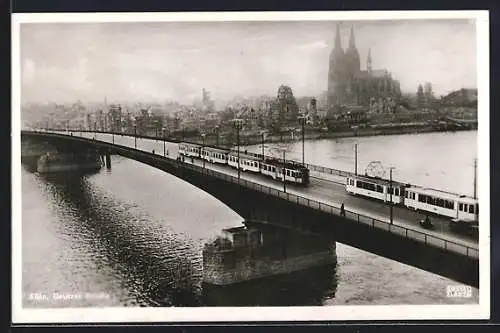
(133, 235)
(442, 160)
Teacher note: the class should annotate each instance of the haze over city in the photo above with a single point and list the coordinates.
(157, 61)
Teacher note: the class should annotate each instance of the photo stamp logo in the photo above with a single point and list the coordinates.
(459, 291)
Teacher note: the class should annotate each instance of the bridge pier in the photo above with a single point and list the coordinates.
(108, 160)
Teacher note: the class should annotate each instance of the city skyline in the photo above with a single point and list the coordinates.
(174, 61)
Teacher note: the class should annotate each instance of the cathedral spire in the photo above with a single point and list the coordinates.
(369, 61)
(338, 43)
(352, 42)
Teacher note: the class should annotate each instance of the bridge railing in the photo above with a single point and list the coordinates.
(409, 233)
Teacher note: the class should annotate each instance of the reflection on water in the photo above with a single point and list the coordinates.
(306, 288)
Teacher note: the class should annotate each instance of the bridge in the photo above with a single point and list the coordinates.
(314, 208)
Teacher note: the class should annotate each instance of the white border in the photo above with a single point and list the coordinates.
(379, 312)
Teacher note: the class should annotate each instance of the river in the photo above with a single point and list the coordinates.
(442, 160)
(133, 235)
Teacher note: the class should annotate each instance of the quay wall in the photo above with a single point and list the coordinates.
(316, 134)
(363, 132)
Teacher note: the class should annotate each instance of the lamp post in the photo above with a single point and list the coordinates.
(135, 136)
(391, 190)
(203, 149)
(262, 145)
(475, 178)
(355, 159)
(238, 124)
(476, 210)
(284, 173)
(164, 129)
(302, 122)
(217, 129)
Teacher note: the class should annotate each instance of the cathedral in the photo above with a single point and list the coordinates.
(348, 85)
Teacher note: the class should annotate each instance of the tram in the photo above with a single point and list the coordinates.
(189, 149)
(460, 209)
(376, 188)
(288, 171)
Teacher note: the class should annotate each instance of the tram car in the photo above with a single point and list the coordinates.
(459, 208)
(456, 207)
(376, 188)
(189, 149)
(247, 162)
(294, 172)
(215, 155)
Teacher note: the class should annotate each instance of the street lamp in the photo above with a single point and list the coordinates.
(355, 159)
(284, 171)
(475, 178)
(135, 136)
(391, 190)
(238, 123)
(302, 121)
(203, 149)
(262, 145)
(217, 129)
(476, 211)
(163, 129)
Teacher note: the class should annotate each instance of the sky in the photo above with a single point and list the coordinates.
(65, 62)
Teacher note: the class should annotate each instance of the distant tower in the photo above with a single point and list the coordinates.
(336, 72)
(203, 95)
(313, 107)
(353, 67)
(369, 61)
(352, 56)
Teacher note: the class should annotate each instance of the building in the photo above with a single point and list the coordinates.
(349, 85)
(207, 103)
(462, 97)
(284, 110)
(114, 118)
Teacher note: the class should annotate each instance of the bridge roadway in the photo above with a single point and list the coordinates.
(325, 188)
